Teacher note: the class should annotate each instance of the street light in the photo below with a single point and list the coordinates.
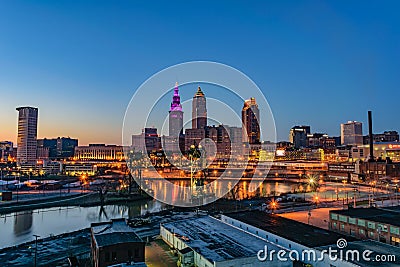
(193, 154)
(316, 201)
(273, 205)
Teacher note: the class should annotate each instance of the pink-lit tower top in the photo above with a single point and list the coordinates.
(176, 115)
(176, 100)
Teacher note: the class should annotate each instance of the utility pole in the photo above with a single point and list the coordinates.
(36, 238)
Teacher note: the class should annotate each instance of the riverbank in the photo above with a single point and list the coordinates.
(82, 200)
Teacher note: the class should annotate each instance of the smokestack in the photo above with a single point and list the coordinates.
(371, 137)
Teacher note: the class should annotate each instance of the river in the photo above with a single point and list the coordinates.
(19, 227)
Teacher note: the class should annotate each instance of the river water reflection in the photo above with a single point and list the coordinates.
(20, 227)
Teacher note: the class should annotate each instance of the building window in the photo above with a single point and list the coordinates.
(342, 226)
(371, 225)
(394, 230)
(361, 231)
(383, 227)
(395, 241)
(334, 216)
(342, 218)
(371, 234)
(361, 222)
(352, 220)
(334, 225)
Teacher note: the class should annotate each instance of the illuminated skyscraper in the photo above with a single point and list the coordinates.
(199, 110)
(351, 133)
(250, 122)
(176, 114)
(298, 136)
(27, 134)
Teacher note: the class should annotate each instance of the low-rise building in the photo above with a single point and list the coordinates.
(79, 168)
(99, 152)
(386, 136)
(291, 235)
(41, 167)
(6, 149)
(115, 243)
(380, 224)
(209, 242)
(382, 150)
(379, 169)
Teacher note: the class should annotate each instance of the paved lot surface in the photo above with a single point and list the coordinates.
(158, 255)
(317, 217)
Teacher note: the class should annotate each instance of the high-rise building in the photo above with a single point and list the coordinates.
(199, 110)
(250, 122)
(298, 136)
(351, 133)
(56, 148)
(224, 138)
(27, 134)
(194, 137)
(176, 115)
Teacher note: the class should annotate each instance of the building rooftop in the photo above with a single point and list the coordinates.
(295, 231)
(377, 248)
(199, 93)
(383, 215)
(217, 241)
(26, 107)
(114, 232)
(394, 208)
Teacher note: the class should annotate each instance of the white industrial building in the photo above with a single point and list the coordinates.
(209, 242)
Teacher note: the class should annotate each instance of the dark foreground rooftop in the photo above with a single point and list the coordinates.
(382, 250)
(114, 232)
(295, 231)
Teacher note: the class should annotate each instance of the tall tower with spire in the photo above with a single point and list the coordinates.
(199, 110)
(175, 114)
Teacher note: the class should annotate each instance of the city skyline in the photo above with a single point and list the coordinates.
(335, 66)
(199, 133)
(188, 127)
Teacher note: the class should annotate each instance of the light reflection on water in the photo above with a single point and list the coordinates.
(243, 190)
(20, 227)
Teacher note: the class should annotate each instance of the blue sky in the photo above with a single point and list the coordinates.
(319, 63)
